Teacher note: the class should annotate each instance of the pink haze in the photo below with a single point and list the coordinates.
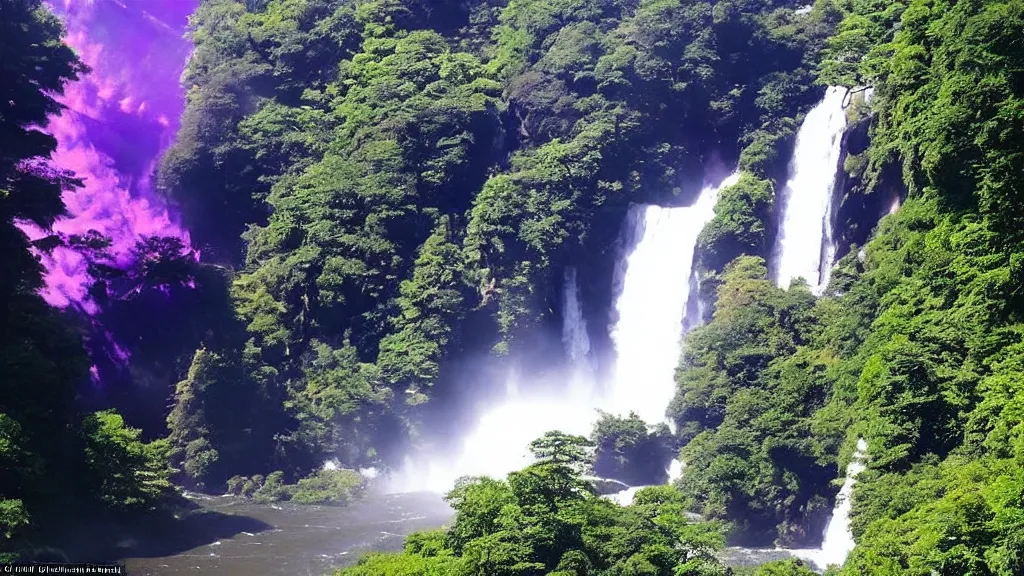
(120, 119)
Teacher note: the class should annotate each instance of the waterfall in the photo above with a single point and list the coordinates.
(675, 470)
(655, 288)
(653, 283)
(894, 206)
(625, 497)
(575, 338)
(804, 247)
(838, 541)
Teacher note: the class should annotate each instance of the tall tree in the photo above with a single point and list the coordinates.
(57, 463)
(41, 361)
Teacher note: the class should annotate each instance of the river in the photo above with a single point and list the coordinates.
(232, 537)
(248, 539)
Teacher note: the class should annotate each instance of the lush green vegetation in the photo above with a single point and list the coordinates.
(545, 520)
(327, 486)
(399, 187)
(630, 451)
(57, 462)
(777, 568)
(747, 395)
(386, 190)
(914, 348)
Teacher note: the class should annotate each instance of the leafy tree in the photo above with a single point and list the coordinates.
(630, 451)
(58, 463)
(191, 450)
(562, 449)
(540, 520)
(742, 223)
(783, 568)
(431, 304)
(128, 473)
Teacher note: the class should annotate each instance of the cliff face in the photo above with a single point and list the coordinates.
(859, 202)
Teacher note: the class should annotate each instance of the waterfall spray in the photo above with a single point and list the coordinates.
(653, 282)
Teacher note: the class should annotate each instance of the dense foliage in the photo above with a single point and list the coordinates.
(915, 346)
(545, 520)
(744, 410)
(384, 191)
(327, 486)
(400, 187)
(57, 463)
(627, 449)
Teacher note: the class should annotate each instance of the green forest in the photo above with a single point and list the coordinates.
(385, 192)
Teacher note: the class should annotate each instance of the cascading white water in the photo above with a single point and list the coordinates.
(655, 288)
(895, 205)
(675, 470)
(575, 338)
(804, 246)
(654, 284)
(838, 539)
(625, 497)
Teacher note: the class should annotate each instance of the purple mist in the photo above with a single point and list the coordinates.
(120, 119)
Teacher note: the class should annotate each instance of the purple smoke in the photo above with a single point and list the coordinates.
(120, 119)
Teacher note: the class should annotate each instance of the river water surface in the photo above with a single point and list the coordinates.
(234, 537)
(295, 540)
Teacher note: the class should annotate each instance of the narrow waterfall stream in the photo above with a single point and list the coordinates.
(804, 246)
(838, 539)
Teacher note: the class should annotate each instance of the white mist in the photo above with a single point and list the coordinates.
(499, 442)
(653, 285)
(804, 246)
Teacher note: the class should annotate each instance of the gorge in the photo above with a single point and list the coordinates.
(314, 252)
